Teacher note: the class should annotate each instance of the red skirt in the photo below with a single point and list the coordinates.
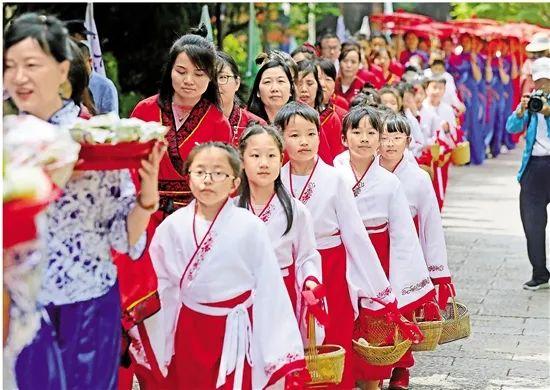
(363, 370)
(198, 349)
(340, 310)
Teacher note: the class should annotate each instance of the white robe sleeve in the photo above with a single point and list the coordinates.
(407, 261)
(167, 261)
(418, 140)
(430, 229)
(307, 259)
(276, 341)
(308, 265)
(366, 278)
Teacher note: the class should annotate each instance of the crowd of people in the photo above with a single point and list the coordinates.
(318, 196)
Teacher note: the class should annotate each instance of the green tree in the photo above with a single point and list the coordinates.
(535, 13)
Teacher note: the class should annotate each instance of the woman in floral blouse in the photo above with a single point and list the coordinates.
(97, 211)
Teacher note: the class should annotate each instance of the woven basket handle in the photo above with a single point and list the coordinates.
(312, 337)
(455, 309)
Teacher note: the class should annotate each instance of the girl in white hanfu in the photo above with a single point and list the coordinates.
(422, 204)
(385, 214)
(288, 221)
(350, 267)
(226, 320)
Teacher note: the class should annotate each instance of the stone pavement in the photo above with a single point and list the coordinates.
(510, 343)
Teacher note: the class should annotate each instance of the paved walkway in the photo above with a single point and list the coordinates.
(510, 343)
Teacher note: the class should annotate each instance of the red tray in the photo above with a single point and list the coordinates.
(19, 218)
(105, 157)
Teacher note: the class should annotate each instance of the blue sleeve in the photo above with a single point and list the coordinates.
(110, 98)
(515, 124)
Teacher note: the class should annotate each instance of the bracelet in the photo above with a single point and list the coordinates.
(151, 209)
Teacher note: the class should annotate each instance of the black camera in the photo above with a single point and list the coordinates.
(537, 100)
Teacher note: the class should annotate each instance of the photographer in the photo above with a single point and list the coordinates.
(533, 112)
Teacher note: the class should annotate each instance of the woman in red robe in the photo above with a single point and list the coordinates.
(348, 83)
(188, 104)
(390, 73)
(229, 82)
(310, 92)
(327, 79)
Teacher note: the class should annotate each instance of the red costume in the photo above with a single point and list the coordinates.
(331, 126)
(355, 87)
(239, 119)
(340, 102)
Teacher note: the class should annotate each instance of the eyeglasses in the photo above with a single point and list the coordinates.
(396, 140)
(216, 177)
(224, 79)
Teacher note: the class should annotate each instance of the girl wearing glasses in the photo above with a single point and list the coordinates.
(188, 104)
(392, 98)
(350, 268)
(229, 84)
(422, 204)
(386, 217)
(288, 221)
(225, 315)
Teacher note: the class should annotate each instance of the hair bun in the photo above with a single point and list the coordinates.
(261, 59)
(200, 30)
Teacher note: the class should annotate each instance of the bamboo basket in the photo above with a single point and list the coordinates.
(435, 150)
(456, 322)
(461, 154)
(432, 333)
(325, 363)
(383, 355)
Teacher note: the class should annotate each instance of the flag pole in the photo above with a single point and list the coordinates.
(311, 31)
(252, 14)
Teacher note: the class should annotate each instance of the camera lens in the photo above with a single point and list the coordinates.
(535, 104)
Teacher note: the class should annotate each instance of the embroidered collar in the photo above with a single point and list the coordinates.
(177, 137)
(235, 122)
(327, 112)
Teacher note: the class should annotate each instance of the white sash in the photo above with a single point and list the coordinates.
(236, 340)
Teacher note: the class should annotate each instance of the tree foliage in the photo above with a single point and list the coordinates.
(535, 13)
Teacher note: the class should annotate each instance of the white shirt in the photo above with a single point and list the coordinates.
(418, 140)
(227, 264)
(450, 97)
(542, 141)
(432, 118)
(336, 220)
(381, 201)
